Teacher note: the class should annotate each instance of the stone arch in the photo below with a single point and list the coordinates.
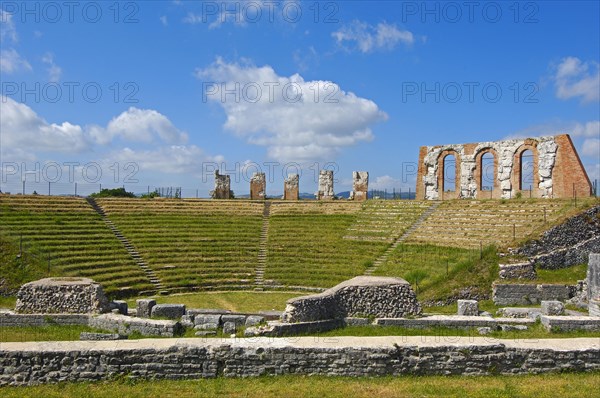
(441, 173)
(480, 173)
(530, 145)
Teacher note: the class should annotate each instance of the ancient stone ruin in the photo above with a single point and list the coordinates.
(325, 191)
(360, 185)
(291, 187)
(222, 187)
(593, 284)
(362, 296)
(61, 296)
(258, 186)
(555, 168)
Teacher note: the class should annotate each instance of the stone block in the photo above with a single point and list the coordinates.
(61, 295)
(468, 307)
(207, 326)
(202, 319)
(207, 311)
(101, 336)
(360, 185)
(222, 186)
(144, 307)
(187, 321)
(121, 306)
(552, 307)
(168, 311)
(357, 321)
(594, 307)
(229, 327)
(239, 320)
(254, 320)
(205, 333)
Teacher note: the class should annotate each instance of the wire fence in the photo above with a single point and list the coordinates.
(86, 189)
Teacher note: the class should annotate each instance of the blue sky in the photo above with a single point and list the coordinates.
(166, 91)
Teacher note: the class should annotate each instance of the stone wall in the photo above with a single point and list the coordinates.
(325, 191)
(9, 318)
(51, 362)
(258, 186)
(557, 169)
(360, 185)
(291, 187)
(593, 276)
(61, 295)
(525, 294)
(126, 325)
(222, 186)
(569, 243)
(365, 296)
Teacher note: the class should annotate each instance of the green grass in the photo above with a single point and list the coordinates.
(42, 333)
(439, 272)
(569, 275)
(237, 301)
(8, 302)
(570, 385)
(535, 331)
(310, 250)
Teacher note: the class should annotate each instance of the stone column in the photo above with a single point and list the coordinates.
(593, 284)
(291, 186)
(325, 191)
(360, 185)
(258, 186)
(222, 186)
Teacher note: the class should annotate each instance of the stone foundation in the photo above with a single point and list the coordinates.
(61, 295)
(363, 296)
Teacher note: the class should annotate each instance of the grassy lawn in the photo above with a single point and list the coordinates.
(42, 333)
(548, 385)
(237, 301)
(569, 275)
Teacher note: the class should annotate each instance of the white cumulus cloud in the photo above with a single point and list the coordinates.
(54, 71)
(591, 147)
(367, 38)
(22, 128)
(574, 78)
(139, 125)
(297, 120)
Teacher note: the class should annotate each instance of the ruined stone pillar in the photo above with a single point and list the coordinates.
(222, 186)
(360, 185)
(258, 186)
(325, 191)
(291, 189)
(593, 284)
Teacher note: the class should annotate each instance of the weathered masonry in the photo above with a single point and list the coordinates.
(291, 190)
(258, 186)
(222, 186)
(552, 164)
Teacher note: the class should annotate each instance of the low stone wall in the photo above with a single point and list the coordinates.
(68, 361)
(574, 255)
(570, 323)
(452, 321)
(525, 294)
(12, 319)
(517, 271)
(61, 295)
(361, 296)
(125, 325)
